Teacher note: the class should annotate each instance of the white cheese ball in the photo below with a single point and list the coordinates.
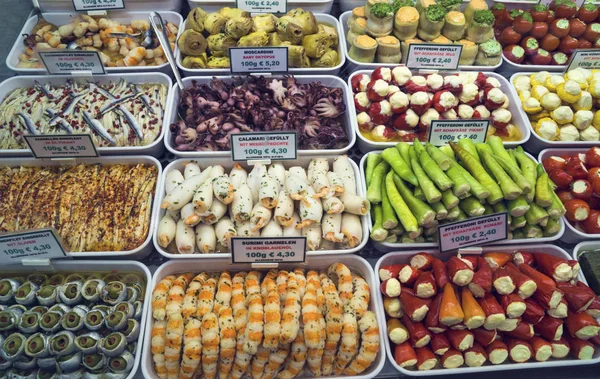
(590, 134)
(568, 133)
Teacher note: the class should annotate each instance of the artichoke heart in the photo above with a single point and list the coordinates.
(254, 40)
(289, 30)
(264, 23)
(218, 62)
(238, 27)
(194, 62)
(233, 13)
(305, 19)
(316, 45)
(274, 39)
(330, 32)
(192, 43)
(214, 23)
(195, 20)
(297, 57)
(219, 44)
(329, 59)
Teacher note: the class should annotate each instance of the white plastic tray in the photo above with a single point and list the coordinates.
(155, 148)
(404, 257)
(572, 235)
(227, 164)
(131, 5)
(323, 18)
(100, 266)
(315, 6)
(326, 80)
(519, 118)
(387, 246)
(354, 65)
(537, 142)
(12, 60)
(355, 263)
(141, 251)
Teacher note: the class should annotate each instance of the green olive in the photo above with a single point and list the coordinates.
(24, 290)
(60, 342)
(50, 319)
(37, 278)
(94, 318)
(35, 344)
(72, 319)
(115, 289)
(56, 279)
(91, 360)
(92, 288)
(39, 309)
(115, 318)
(85, 341)
(6, 319)
(131, 324)
(112, 341)
(71, 291)
(5, 287)
(75, 277)
(13, 343)
(30, 319)
(118, 363)
(47, 291)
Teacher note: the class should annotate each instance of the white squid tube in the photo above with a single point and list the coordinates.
(223, 189)
(332, 205)
(320, 184)
(238, 176)
(214, 213)
(291, 230)
(206, 239)
(310, 210)
(296, 186)
(273, 229)
(284, 209)
(355, 204)
(268, 191)
(313, 236)
(277, 172)
(203, 198)
(244, 229)
(189, 216)
(260, 217)
(167, 228)
(191, 169)
(352, 230)
(224, 230)
(343, 168)
(183, 193)
(216, 171)
(299, 172)
(317, 165)
(172, 180)
(175, 215)
(332, 227)
(241, 206)
(184, 238)
(254, 178)
(335, 183)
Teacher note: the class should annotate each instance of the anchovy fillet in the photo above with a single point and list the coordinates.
(28, 123)
(97, 127)
(132, 123)
(73, 104)
(43, 89)
(143, 96)
(115, 103)
(56, 119)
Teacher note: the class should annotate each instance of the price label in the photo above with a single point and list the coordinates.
(585, 58)
(262, 146)
(98, 5)
(433, 56)
(66, 61)
(444, 131)
(62, 146)
(262, 6)
(246, 60)
(268, 250)
(474, 231)
(36, 244)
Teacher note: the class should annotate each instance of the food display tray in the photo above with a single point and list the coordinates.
(315, 6)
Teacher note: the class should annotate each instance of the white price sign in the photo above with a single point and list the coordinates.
(98, 5)
(585, 58)
(38, 244)
(433, 56)
(474, 231)
(66, 61)
(268, 250)
(62, 146)
(262, 6)
(262, 146)
(246, 60)
(443, 131)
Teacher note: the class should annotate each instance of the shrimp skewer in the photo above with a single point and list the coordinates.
(349, 344)
(238, 301)
(295, 364)
(301, 280)
(254, 327)
(159, 331)
(290, 323)
(242, 360)
(276, 360)
(173, 344)
(176, 294)
(369, 347)
(192, 348)
(210, 345)
(333, 319)
(312, 325)
(223, 296)
(361, 297)
(340, 273)
(281, 281)
(159, 297)
(259, 361)
(206, 297)
(272, 313)
(227, 336)
(190, 300)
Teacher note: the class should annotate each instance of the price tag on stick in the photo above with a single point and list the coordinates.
(35, 244)
(474, 231)
(262, 6)
(443, 131)
(585, 58)
(246, 60)
(98, 5)
(268, 250)
(60, 62)
(433, 56)
(62, 146)
(263, 146)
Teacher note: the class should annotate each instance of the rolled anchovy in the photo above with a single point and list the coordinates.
(29, 322)
(56, 119)
(70, 363)
(28, 123)
(25, 363)
(97, 127)
(144, 97)
(93, 361)
(15, 373)
(132, 123)
(43, 89)
(71, 107)
(36, 346)
(26, 293)
(62, 343)
(4, 364)
(60, 307)
(87, 343)
(8, 287)
(121, 363)
(14, 346)
(47, 363)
